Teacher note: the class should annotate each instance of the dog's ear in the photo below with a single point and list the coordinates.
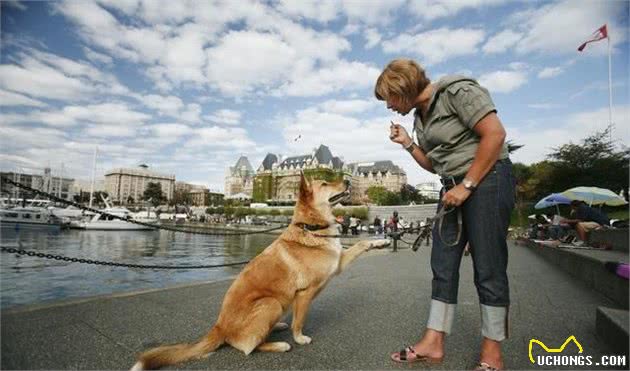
(305, 186)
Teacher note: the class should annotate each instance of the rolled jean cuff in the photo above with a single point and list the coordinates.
(494, 322)
(441, 316)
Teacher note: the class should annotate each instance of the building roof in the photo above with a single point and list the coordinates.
(269, 160)
(296, 160)
(375, 167)
(337, 163)
(242, 164)
(322, 154)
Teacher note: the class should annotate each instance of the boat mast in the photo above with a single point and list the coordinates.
(93, 175)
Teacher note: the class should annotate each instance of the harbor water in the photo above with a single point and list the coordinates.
(26, 280)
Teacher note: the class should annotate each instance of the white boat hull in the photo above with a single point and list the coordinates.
(111, 225)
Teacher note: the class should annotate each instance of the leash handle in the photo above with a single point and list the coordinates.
(440, 215)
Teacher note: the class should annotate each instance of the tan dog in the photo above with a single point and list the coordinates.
(290, 272)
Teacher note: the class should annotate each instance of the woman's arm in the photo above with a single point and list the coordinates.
(492, 137)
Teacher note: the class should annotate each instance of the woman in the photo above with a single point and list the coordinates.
(461, 139)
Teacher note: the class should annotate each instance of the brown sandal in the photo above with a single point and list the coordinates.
(408, 355)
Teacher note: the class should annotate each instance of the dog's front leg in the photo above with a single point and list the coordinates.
(300, 308)
(348, 256)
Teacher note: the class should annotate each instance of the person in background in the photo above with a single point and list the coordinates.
(378, 225)
(354, 225)
(586, 219)
(345, 225)
(394, 222)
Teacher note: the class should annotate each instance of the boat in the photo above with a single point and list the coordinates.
(31, 218)
(145, 216)
(109, 223)
(70, 212)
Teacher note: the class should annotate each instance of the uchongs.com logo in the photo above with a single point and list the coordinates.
(550, 356)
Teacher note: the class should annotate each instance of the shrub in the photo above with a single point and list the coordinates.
(339, 212)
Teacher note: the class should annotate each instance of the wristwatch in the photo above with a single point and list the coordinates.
(409, 148)
(469, 184)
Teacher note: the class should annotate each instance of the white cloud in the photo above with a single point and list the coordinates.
(549, 72)
(437, 45)
(97, 57)
(165, 105)
(501, 42)
(110, 131)
(245, 60)
(561, 27)
(340, 76)
(379, 12)
(348, 106)
(8, 98)
(225, 117)
(47, 75)
(434, 9)
(215, 136)
(321, 11)
(43, 83)
(170, 129)
(192, 113)
(503, 81)
(550, 132)
(373, 37)
(111, 114)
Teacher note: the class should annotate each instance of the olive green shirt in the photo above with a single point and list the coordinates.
(447, 138)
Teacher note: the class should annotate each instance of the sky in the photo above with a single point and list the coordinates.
(187, 87)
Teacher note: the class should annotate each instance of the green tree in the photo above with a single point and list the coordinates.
(181, 197)
(377, 194)
(595, 161)
(153, 193)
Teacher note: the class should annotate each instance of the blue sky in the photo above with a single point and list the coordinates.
(188, 86)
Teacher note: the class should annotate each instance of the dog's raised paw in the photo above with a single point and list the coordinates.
(303, 339)
(379, 244)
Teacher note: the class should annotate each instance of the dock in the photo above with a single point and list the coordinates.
(378, 306)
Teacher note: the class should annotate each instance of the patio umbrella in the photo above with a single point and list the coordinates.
(594, 196)
(553, 199)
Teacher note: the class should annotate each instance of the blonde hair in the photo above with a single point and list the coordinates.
(403, 78)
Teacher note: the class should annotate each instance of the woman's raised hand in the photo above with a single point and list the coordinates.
(398, 134)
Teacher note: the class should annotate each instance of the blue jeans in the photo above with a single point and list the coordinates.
(485, 217)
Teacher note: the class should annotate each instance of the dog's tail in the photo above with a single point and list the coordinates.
(172, 354)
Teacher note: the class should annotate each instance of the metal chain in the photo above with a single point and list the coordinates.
(127, 219)
(12, 250)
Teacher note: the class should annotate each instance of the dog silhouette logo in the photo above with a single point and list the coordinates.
(553, 350)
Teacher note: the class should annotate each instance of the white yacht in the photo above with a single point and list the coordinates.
(107, 222)
(29, 218)
(145, 216)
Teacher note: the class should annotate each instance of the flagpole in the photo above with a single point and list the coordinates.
(610, 120)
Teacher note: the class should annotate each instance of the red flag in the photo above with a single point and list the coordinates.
(600, 34)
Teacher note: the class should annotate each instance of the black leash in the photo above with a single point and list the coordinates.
(442, 212)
